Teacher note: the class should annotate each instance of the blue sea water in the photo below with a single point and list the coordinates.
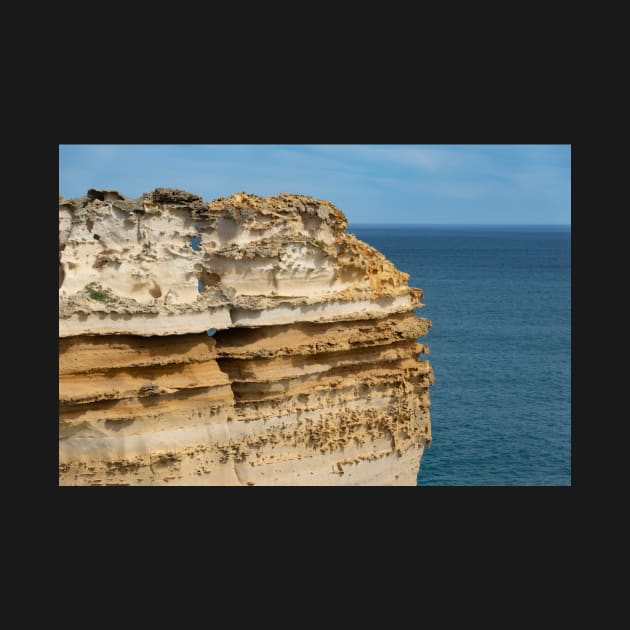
(499, 298)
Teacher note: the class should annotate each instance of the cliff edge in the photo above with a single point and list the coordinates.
(242, 341)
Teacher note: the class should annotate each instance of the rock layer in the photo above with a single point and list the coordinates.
(245, 341)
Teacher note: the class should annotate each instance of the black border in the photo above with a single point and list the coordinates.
(423, 518)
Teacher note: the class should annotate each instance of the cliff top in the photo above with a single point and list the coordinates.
(125, 262)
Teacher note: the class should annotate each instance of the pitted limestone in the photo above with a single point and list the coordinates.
(312, 373)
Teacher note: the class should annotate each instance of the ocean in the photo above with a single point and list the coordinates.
(499, 298)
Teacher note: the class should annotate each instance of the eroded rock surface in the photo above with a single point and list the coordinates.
(244, 341)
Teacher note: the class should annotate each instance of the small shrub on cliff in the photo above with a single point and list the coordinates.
(95, 292)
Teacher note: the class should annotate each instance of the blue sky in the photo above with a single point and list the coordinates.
(383, 183)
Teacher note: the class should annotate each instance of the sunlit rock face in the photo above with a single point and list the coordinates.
(243, 341)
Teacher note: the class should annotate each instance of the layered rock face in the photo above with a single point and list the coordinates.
(244, 341)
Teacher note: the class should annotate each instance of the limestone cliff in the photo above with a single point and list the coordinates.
(244, 341)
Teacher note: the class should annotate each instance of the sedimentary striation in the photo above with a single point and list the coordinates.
(243, 341)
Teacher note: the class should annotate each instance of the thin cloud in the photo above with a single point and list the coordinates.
(427, 159)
